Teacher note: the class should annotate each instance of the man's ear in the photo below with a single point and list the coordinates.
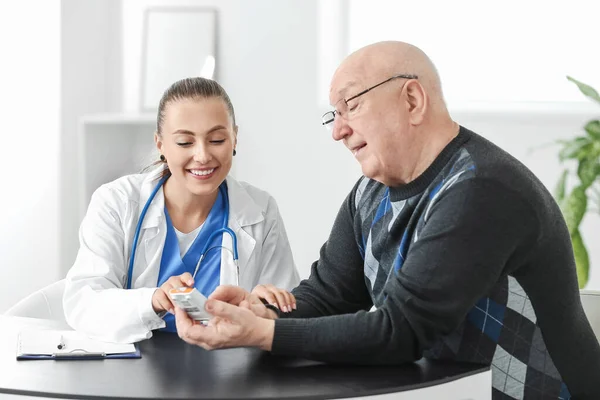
(418, 101)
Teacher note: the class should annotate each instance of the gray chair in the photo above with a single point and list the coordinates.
(45, 303)
(591, 305)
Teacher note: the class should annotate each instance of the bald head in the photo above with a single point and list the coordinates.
(385, 59)
(398, 130)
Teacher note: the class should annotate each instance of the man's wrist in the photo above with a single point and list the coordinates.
(266, 333)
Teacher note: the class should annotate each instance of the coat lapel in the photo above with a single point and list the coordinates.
(153, 232)
(243, 212)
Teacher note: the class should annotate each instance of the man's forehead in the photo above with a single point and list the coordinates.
(343, 85)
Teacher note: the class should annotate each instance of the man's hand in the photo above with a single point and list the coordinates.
(280, 298)
(231, 326)
(161, 301)
(237, 296)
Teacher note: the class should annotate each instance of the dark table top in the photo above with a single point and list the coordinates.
(171, 369)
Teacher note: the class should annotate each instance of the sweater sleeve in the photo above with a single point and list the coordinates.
(336, 284)
(470, 233)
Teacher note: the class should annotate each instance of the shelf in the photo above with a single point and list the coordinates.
(119, 119)
(113, 145)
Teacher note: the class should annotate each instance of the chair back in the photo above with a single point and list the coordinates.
(45, 303)
(591, 305)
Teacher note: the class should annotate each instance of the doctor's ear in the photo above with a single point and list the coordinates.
(235, 132)
(157, 141)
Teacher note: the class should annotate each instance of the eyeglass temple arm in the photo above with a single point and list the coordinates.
(403, 76)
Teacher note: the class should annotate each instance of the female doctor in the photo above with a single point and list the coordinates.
(144, 234)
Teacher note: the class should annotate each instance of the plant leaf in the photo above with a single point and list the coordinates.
(574, 208)
(596, 192)
(593, 129)
(582, 260)
(559, 190)
(586, 89)
(595, 151)
(587, 171)
(575, 149)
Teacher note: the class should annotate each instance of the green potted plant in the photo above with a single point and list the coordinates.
(582, 153)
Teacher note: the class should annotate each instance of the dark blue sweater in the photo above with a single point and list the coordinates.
(472, 261)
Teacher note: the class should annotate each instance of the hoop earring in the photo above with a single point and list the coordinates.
(162, 158)
(234, 152)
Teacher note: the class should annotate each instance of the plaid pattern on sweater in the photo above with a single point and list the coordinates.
(501, 328)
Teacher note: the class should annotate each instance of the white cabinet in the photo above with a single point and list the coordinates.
(113, 145)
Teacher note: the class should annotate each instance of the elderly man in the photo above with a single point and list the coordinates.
(460, 249)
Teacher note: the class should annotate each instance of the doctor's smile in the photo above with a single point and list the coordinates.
(202, 173)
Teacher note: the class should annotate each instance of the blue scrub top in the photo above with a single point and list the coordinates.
(208, 276)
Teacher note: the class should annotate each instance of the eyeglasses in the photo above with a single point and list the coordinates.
(345, 110)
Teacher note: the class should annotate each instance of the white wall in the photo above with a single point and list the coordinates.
(91, 77)
(267, 61)
(30, 82)
(512, 50)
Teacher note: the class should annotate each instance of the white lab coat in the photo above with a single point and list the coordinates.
(95, 301)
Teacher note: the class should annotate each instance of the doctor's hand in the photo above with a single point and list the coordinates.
(161, 301)
(231, 326)
(280, 298)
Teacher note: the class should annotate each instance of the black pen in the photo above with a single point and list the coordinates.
(61, 344)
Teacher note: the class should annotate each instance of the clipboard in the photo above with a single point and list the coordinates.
(35, 344)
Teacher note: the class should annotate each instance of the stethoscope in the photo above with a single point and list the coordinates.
(205, 249)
